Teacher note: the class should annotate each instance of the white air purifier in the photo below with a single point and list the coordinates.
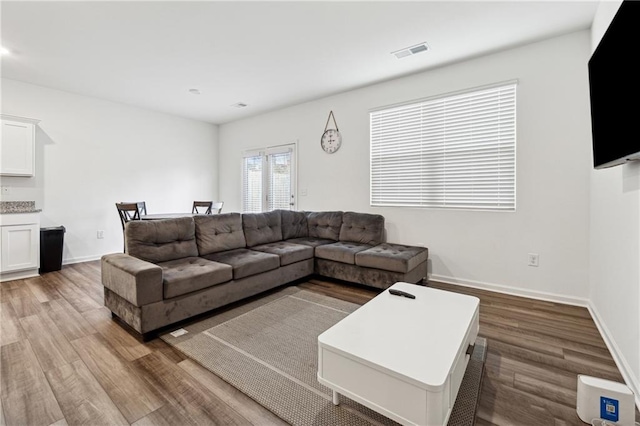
(604, 399)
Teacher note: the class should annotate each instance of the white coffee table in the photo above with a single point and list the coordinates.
(404, 358)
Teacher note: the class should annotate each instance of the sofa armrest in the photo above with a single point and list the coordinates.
(135, 280)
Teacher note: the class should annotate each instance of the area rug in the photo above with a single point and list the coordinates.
(267, 349)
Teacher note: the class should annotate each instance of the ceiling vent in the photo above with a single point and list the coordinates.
(413, 50)
(240, 105)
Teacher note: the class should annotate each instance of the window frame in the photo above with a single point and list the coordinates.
(265, 152)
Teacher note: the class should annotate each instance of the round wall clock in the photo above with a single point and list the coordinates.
(331, 140)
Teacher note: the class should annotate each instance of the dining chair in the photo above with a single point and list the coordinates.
(128, 212)
(217, 207)
(202, 207)
(142, 205)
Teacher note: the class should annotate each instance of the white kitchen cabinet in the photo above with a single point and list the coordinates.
(17, 152)
(19, 246)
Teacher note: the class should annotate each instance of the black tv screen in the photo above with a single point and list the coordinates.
(614, 86)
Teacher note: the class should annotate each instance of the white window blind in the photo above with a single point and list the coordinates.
(280, 191)
(269, 179)
(252, 183)
(451, 152)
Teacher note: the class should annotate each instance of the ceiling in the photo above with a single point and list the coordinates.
(265, 54)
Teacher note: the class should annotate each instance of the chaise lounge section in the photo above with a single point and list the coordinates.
(175, 269)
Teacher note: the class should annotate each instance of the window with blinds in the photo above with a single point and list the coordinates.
(252, 183)
(268, 177)
(457, 151)
(280, 189)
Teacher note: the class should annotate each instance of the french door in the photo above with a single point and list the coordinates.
(269, 179)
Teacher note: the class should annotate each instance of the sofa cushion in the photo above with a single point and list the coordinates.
(182, 276)
(294, 224)
(161, 240)
(392, 257)
(219, 232)
(262, 228)
(289, 252)
(362, 228)
(324, 224)
(246, 262)
(342, 251)
(311, 241)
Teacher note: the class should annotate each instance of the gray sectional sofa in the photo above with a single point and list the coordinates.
(176, 268)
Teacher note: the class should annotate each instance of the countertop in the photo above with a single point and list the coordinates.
(13, 207)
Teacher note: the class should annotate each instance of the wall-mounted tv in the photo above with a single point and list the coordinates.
(614, 86)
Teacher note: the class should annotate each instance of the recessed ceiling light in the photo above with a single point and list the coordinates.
(194, 91)
(4, 51)
(412, 50)
(240, 105)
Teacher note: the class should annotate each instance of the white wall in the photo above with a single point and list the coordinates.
(92, 153)
(615, 248)
(486, 249)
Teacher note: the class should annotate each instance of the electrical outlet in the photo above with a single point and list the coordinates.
(100, 234)
(6, 190)
(534, 259)
(303, 192)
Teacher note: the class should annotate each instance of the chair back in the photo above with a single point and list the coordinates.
(142, 206)
(128, 211)
(201, 207)
(217, 207)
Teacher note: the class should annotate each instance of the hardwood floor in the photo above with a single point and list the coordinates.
(64, 361)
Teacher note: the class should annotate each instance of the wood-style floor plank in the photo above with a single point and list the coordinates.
(533, 385)
(10, 328)
(27, 305)
(132, 395)
(192, 400)
(79, 299)
(13, 289)
(523, 337)
(42, 289)
(167, 415)
(27, 398)
(70, 322)
(504, 369)
(82, 399)
(128, 346)
(91, 271)
(84, 283)
(50, 346)
(65, 361)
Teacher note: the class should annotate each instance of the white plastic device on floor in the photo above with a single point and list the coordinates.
(605, 400)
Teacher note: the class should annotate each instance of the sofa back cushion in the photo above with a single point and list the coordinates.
(219, 232)
(324, 224)
(362, 228)
(262, 228)
(161, 240)
(294, 224)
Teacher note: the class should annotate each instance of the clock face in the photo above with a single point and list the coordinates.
(331, 141)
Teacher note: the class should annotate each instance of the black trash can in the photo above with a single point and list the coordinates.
(51, 242)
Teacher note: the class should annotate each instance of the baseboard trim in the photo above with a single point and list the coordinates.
(513, 291)
(19, 275)
(81, 259)
(618, 358)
